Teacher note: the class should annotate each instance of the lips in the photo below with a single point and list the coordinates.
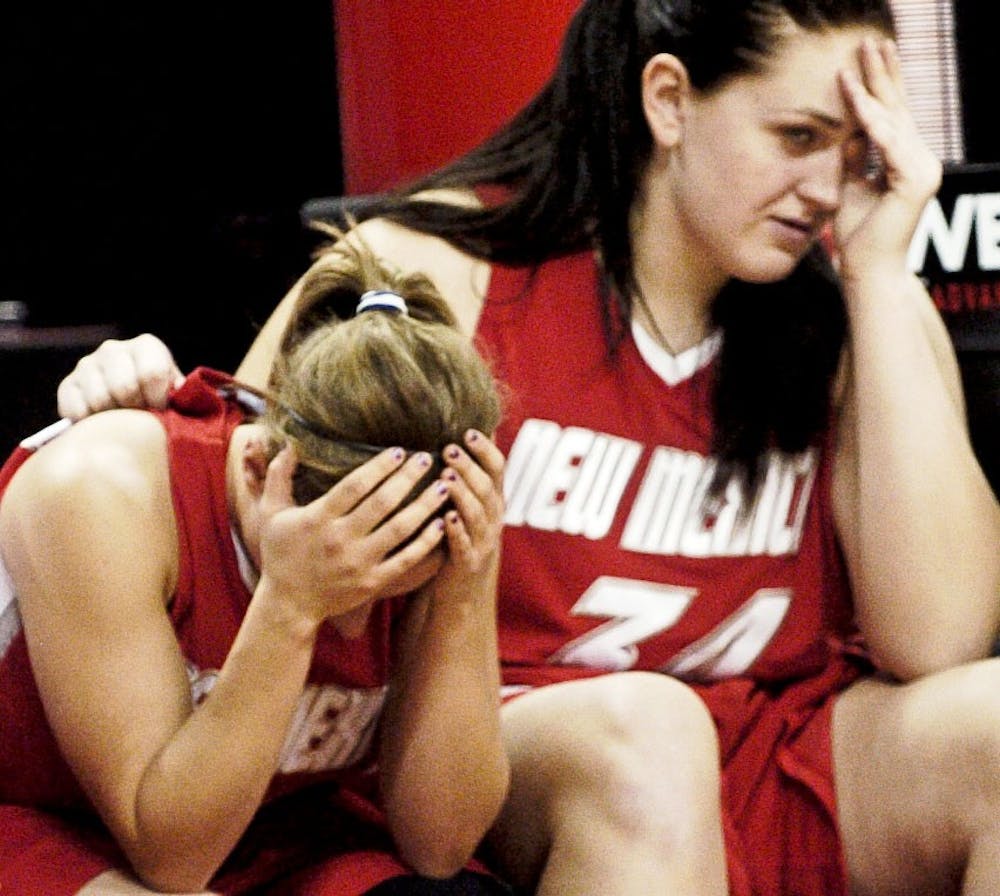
(794, 234)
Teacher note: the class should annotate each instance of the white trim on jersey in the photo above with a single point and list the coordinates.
(248, 572)
(43, 436)
(10, 616)
(674, 369)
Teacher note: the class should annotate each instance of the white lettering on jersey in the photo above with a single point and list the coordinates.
(572, 480)
(568, 480)
(674, 482)
(733, 646)
(332, 727)
(639, 610)
(670, 515)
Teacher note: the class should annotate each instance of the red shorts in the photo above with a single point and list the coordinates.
(778, 794)
(44, 853)
(318, 842)
(779, 809)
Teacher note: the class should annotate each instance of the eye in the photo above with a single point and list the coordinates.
(800, 137)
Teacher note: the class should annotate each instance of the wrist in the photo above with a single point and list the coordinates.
(283, 615)
(881, 284)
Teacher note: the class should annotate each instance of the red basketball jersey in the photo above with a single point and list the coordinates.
(333, 727)
(612, 559)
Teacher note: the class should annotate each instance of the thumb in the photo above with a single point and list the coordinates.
(277, 492)
(176, 377)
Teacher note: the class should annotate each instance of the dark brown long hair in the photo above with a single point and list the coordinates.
(570, 162)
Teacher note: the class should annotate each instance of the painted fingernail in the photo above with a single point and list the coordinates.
(450, 475)
(398, 454)
(442, 488)
(452, 453)
(424, 459)
(453, 517)
(472, 435)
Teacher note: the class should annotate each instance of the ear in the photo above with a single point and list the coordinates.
(665, 93)
(253, 464)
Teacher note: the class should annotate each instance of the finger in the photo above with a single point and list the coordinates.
(872, 115)
(460, 543)
(155, 369)
(483, 476)
(88, 387)
(70, 401)
(473, 508)
(277, 491)
(409, 519)
(486, 453)
(348, 494)
(893, 64)
(474, 474)
(911, 168)
(413, 561)
(116, 374)
(877, 71)
(372, 492)
(106, 378)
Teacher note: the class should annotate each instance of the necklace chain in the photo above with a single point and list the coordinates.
(654, 326)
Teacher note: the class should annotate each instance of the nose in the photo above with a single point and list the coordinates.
(823, 180)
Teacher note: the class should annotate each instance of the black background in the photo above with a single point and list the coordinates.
(154, 160)
(155, 156)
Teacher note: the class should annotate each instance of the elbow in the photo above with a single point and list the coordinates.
(438, 851)
(437, 862)
(171, 877)
(442, 851)
(439, 842)
(168, 869)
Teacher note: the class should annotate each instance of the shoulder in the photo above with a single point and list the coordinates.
(461, 278)
(102, 486)
(116, 447)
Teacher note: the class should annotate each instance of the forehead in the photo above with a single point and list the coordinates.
(801, 76)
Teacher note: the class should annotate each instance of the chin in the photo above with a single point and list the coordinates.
(769, 266)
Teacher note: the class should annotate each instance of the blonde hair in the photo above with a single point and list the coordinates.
(347, 385)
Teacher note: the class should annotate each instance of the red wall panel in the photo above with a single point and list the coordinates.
(422, 80)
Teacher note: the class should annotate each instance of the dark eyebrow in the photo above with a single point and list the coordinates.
(830, 121)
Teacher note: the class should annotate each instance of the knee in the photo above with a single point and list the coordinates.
(972, 717)
(961, 746)
(649, 718)
(645, 753)
(621, 765)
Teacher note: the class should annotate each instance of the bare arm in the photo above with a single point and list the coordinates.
(918, 520)
(88, 535)
(444, 767)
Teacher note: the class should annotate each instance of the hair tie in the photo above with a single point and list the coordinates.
(381, 300)
(328, 435)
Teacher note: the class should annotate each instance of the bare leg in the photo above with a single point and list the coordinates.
(116, 883)
(918, 783)
(615, 790)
